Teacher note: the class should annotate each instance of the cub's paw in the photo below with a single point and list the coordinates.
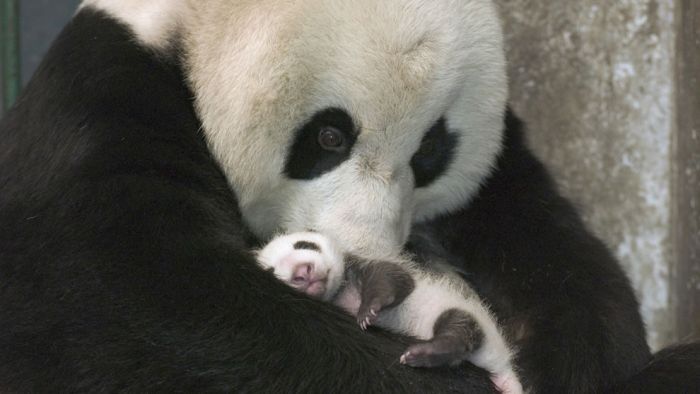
(367, 315)
(507, 383)
(306, 261)
(373, 301)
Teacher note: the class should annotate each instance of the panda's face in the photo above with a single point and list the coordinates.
(350, 118)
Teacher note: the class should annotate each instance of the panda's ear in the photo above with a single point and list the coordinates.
(434, 155)
(154, 22)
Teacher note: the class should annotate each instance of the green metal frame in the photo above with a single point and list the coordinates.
(11, 82)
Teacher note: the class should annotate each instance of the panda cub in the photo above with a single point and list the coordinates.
(435, 307)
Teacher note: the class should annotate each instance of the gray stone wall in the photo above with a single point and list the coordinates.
(686, 231)
(594, 79)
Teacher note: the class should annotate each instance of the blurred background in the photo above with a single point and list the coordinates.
(611, 93)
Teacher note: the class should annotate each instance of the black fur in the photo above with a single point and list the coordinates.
(673, 370)
(307, 245)
(307, 159)
(381, 284)
(460, 324)
(434, 154)
(122, 257)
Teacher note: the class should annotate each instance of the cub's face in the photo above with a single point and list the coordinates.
(350, 118)
(308, 262)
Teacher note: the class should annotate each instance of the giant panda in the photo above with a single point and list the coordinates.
(160, 141)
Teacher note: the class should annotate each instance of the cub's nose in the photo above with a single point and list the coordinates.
(301, 274)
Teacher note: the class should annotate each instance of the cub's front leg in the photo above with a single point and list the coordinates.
(380, 284)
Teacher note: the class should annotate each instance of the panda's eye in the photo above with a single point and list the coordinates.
(321, 144)
(330, 138)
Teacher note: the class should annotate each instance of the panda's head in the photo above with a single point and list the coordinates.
(351, 118)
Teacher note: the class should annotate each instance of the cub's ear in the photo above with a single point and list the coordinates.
(308, 245)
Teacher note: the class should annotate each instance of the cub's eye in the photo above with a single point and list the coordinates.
(330, 138)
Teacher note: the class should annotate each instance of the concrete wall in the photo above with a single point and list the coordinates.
(594, 79)
(686, 231)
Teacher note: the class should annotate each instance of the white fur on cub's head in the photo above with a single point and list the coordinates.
(261, 68)
(326, 258)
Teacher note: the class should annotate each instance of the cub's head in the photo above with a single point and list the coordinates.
(306, 261)
(351, 118)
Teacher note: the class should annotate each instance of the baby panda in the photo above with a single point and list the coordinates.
(436, 307)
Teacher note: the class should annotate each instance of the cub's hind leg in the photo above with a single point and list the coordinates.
(456, 335)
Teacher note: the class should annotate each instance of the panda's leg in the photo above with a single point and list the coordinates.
(460, 335)
(456, 334)
(381, 284)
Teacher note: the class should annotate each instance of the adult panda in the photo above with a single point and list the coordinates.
(159, 140)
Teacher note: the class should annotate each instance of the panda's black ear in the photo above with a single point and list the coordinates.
(434, 155)
(321, 144)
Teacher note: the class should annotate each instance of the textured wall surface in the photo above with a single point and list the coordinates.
(594, 79)
(687, 172)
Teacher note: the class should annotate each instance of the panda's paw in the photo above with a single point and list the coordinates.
(306, 261)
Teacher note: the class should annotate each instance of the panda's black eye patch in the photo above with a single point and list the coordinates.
(321, 144)
(434, 154)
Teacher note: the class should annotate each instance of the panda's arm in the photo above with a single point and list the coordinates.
(555, 287)
(122, 264)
